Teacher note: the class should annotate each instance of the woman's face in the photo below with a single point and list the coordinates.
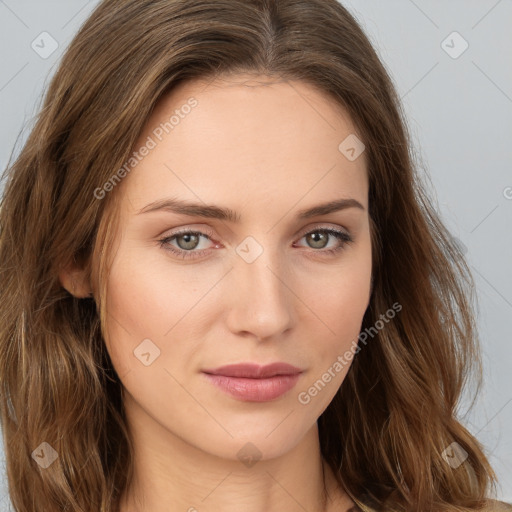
(259, 288)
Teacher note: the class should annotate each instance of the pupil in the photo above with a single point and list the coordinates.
(317, 237)
(189, 239)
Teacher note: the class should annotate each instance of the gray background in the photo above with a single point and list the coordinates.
(459, 109)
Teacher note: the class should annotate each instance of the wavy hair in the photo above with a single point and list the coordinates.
(385, 431)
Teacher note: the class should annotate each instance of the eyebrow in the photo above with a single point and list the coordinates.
(217, 212)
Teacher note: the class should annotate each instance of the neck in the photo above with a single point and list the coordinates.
(173, 476)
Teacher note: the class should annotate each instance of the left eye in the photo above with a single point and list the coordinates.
(191, 239)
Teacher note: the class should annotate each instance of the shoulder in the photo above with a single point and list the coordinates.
(491, 506)
(497, 506)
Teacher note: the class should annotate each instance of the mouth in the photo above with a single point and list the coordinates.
(254, 383)
(254, 371)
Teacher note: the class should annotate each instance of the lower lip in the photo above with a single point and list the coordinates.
(254, 390)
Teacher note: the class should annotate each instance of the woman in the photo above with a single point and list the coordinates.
(224, 285)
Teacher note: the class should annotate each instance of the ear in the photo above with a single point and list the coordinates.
(74, 280)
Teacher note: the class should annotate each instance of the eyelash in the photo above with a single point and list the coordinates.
(344, 237)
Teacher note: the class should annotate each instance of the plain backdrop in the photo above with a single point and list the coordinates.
(450, 61)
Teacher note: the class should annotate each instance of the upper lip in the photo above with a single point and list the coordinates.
(254, 371)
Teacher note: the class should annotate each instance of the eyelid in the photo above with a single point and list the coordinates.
(322, 225)
(343, 236)
(211, 234)
(202, 231)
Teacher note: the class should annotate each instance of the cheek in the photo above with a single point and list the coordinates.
(148, 293)
(336, 302)
(340, 306)
(149, 298)
(341, 292)
(139, 308)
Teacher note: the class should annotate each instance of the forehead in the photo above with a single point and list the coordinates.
(249, 138)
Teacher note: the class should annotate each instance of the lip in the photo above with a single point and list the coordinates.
(254, 383)
(254, 371)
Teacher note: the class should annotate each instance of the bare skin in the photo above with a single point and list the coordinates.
(265, 149)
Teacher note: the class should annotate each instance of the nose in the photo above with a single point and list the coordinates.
(262, 302)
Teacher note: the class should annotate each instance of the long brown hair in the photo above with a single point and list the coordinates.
(385, 431)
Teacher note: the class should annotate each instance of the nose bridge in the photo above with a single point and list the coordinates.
(262, 302)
